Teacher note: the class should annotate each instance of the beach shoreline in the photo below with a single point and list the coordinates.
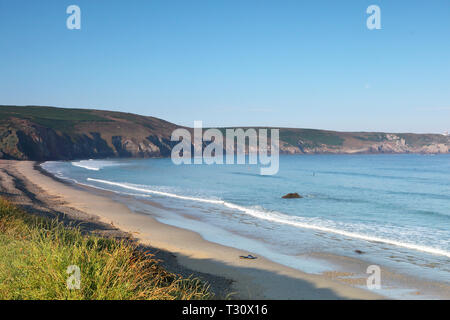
(220, 265)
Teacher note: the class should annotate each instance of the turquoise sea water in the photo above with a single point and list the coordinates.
(395, 208)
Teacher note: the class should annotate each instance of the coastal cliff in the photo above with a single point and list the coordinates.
(48, 133)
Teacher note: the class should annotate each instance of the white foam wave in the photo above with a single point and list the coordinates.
(161, 193)
(283, 219)
(94, 165)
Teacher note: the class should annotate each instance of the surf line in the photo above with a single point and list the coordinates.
(279, 218)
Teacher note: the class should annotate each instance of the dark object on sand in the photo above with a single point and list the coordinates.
(294, 195)
(248, 257)
(359, 251)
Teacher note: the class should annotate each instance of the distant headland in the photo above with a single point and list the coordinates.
(49, 133)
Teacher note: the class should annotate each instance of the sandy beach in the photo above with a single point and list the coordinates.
(180, 250)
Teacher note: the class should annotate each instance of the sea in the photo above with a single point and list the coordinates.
(388, 210)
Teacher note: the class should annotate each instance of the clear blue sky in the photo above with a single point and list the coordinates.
(295, 63)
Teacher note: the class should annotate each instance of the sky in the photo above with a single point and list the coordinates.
(305, 64)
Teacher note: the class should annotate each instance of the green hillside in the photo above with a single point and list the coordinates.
(49, 133)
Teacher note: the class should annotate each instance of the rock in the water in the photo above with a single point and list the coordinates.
(294, 195)
(359, 251)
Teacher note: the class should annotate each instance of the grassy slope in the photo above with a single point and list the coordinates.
(65, 119)
(49, 133)
(35, 254)
(57, 118)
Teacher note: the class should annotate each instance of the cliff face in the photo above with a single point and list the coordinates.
(45, 133)
(361, 142)
(41, 133)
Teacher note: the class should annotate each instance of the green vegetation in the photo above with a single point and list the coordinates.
(422, 139)
(36, 252)
(9, 141)
(49, 133)
(374, 137)
(56, 118)
(310, 137)
(49, 113)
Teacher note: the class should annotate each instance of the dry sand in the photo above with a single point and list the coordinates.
(219, 265)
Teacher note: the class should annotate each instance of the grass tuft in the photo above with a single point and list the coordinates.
(35, 253)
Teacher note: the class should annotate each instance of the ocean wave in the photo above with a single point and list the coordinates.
(256, 175)
(94, 165)
(161, 193)
(283, 219)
